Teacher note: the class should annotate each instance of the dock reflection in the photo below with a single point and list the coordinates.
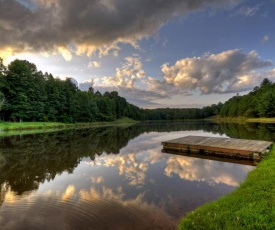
(250, 162)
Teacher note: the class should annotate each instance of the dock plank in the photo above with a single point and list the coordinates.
(219, 145)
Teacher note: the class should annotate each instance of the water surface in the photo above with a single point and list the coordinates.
(113, 177)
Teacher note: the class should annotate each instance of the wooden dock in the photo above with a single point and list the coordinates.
(218, 146)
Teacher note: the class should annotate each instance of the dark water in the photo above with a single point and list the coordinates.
(113, 177)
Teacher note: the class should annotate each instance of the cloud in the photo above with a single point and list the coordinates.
(94, 64)
(84, 86)
(226, 72)
(265, 39)
(127, 75)
(85, 27)
(248, 11)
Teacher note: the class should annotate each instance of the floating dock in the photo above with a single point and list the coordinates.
(219, 146)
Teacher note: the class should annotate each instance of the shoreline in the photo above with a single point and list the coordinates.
(13, 128)
(250, 206)
(243, 119)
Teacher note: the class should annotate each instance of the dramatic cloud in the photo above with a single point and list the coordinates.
(226, 72)
(84, 27)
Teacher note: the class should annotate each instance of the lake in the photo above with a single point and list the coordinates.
(113, 177)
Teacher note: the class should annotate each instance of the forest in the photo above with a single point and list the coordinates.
(27, 94)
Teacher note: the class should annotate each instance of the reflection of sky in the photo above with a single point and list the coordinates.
(139, 183)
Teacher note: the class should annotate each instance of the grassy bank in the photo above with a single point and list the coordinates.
(251, 206)
(243, 119)
(15, 126)
(262, 120)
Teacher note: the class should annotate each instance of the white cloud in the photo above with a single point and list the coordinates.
(248, 11)
(127, 75)
(226, 72)
(94, 64)
(265, 39)
(65, 52)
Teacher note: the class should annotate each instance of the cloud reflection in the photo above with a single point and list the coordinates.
(97, 180)
(70, 191)
(104, 208)
(128, 166)
(212, 172)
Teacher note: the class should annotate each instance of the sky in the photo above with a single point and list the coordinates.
(154, 53)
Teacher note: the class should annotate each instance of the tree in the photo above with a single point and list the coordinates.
(266, 82)
(86, 108)
(19, 83)
(266, 104)
(2, 100)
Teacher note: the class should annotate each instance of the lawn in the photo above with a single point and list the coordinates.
(251, 206)
(9, 126)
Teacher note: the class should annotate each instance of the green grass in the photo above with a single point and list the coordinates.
(262, 120)
(251, 206)
(31, 127)
(124, 120)
(243, 119)
(5, 126)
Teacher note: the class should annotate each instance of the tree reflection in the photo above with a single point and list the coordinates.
(3, 190)
(253, 131)
(29, 160)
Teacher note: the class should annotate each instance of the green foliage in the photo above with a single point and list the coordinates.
(266, 106)
(258, 103)
(2, 100)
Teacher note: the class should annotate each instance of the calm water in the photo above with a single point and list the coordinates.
(113, 177)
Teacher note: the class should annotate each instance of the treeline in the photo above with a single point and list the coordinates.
(182, 114)
(260, 102)
(27, 94)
